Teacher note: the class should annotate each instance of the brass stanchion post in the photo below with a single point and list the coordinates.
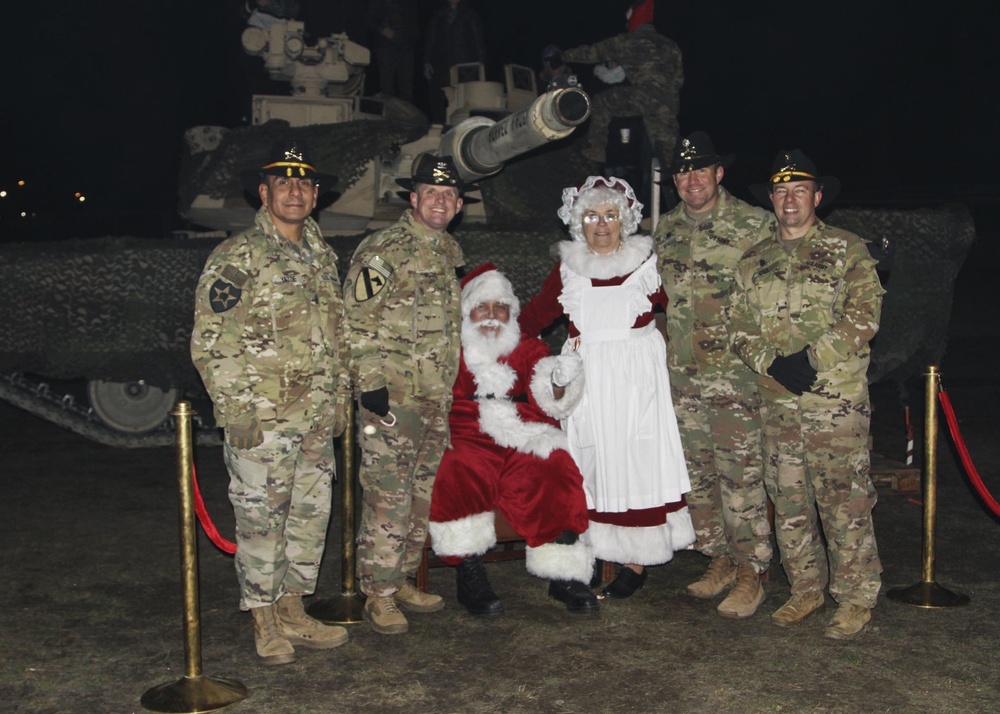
(192, 694)
(928, 593)
(346, 608)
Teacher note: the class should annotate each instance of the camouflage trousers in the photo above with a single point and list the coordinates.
(281, 493)
(398, 466)
(720, 431)
(817, 464)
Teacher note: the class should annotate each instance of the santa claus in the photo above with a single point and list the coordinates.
(508, 453)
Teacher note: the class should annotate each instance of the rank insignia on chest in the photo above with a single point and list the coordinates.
(371, 279)
(223, 296)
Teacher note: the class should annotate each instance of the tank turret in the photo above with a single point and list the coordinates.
(368, 142)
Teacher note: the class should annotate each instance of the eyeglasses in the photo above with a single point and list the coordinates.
(595, 217)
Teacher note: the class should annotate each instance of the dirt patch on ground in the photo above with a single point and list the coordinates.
(92, 613)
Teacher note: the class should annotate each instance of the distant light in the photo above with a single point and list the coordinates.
(24, 214)
(21, 182)
(3, 194)
(81, 198)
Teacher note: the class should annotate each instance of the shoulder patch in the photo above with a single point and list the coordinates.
(371, 279)
(224, 296)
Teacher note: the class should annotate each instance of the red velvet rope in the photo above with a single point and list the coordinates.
(226, 546)
(963, 452)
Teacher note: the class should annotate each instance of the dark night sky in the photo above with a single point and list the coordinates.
(895, 99)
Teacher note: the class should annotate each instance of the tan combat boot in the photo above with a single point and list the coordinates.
(300, 629)
(272, 647)
(409, 598)
(849, 621)
(384, 616)
(798, 608)
(745, 597)
(720, 575)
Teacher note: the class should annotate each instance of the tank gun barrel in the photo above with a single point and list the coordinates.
(481, 146)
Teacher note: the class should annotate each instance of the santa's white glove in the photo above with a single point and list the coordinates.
(568, 368)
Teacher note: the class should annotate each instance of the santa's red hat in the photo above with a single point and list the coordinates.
(487, 283)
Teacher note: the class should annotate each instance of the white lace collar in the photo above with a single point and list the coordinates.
(578, 258)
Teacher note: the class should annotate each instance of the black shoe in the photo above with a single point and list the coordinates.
(576, 595)
(474, 591)
(626, 583)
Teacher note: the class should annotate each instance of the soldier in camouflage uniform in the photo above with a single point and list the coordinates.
(804, 308)
(402, 295)
(270, 343)
(715, 395)
(652, 65)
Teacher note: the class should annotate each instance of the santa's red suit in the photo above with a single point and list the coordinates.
(508, 453)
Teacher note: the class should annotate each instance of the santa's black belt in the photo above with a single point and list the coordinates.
(493, 397)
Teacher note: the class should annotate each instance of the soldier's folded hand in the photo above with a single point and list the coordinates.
(793, 372)
(376, 401)
(568, 368)
(245, 434)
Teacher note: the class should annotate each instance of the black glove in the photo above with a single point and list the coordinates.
(794, 372)
(376, 401)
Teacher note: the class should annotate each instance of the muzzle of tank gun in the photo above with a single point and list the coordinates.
(480, 147)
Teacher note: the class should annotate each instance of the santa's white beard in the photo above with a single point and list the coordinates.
(487, 349)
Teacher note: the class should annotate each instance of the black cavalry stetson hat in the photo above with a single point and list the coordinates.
(437, 171)
(696, 152)
(287, 157)
(793, 165)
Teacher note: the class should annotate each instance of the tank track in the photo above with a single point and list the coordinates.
(63, 409)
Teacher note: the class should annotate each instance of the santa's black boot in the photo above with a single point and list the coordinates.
(577, 597)
(474, 590)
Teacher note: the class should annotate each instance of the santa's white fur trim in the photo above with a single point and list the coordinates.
(555, 561)
(541, 390)
(633, 252)
(642, 546)
(491, 285)
(499, 419)
(491, 377)
(472, 535)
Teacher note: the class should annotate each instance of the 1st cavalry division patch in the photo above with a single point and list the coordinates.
(371, 279)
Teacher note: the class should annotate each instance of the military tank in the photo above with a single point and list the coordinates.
(368, 142)
(117, 312)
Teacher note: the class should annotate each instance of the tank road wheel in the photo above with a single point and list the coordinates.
(131, 407)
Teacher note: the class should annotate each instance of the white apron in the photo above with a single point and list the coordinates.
(624, 433)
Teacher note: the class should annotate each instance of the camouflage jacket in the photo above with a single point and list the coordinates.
(820, 290)
(269, 330)
(697, 262)
(403, 303)
(649, 58)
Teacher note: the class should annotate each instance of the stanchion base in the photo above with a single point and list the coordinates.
(193, 695)
(342, 610)
(928, 594)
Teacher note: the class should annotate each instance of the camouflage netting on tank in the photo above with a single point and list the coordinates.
(118, 309)
(339, 149)
(121, 309)
(928, 247)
